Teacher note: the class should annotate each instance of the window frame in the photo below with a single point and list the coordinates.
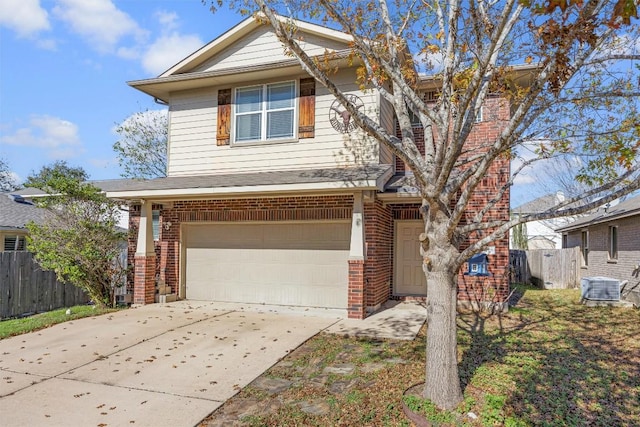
(20, 242)
(612, 243)
(264, 111)
(155, 224)
(584, 247)
(480, 117)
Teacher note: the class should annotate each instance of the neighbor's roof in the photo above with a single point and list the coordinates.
(367, 177)
(624, 209)
(16, 212)
(541, 204)
(104, 185)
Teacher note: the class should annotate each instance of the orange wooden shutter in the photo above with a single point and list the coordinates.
(307, 118)
(223, 134)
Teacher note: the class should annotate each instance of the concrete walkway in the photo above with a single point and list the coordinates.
(162, 365)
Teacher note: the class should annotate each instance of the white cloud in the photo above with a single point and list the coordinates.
(25, 17)
(99, 21)
(132, 52)
(169, 20)
(169, 49)
(58, 137)
(47, 44)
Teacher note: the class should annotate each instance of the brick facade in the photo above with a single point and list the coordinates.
(371, 280)
(356, 295)
(624, 267)
(495, 288)
(144, 279)
(379, 245)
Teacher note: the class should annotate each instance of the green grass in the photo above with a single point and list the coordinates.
(549, 361)
(12, 327)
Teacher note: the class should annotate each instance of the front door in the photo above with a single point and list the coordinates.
(409, 277)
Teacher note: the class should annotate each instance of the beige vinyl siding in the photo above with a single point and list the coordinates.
(192, 137)
(387, 121)
(192, 119)
(262, 46)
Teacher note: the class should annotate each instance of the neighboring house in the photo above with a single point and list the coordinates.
(272, 197)
(542, 234)
(30, 193)
(15, 213)
(609, 241)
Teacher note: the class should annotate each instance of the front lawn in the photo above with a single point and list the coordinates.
(550, 361)
(11, 327)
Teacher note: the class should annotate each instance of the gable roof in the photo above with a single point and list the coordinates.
(187, 74)
(541, 204)
(240, 31)
(629, 207)
(16, 212)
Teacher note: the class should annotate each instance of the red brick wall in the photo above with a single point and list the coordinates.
(144, 279)
(264, 209)
(496, 287)
(379, 240)
(356, 298)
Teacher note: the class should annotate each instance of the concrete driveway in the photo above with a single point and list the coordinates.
(157, 365)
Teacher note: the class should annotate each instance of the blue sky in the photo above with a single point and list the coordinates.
(64, 65)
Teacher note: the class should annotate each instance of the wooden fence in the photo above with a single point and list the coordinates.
(547, 268)
(25, 288)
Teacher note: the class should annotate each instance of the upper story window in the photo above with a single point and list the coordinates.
(265, 112)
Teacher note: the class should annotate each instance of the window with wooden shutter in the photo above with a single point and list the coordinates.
(223, 134)
(264, 113)
(307, 115)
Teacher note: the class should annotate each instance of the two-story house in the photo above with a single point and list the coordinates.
(273, 195)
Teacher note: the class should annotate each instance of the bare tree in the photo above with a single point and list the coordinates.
(581, 97)
(7, 180)
(142, 149)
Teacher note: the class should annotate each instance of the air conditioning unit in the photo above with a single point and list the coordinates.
(600, 288)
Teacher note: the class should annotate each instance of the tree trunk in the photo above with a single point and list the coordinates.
(442, 385)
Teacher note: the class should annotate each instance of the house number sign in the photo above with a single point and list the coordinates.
(340, 118)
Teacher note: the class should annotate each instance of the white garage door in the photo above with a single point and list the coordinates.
(301, 264)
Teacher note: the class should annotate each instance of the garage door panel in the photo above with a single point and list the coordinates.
(292, 264)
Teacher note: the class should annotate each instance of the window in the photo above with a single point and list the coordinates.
(613, 242)
(584, 248)
(155, 218)
(14, 243)
(479, 117)
(265, 113)
(565, 241)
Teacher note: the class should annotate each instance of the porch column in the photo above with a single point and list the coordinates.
(144, 286)
(356, 302)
